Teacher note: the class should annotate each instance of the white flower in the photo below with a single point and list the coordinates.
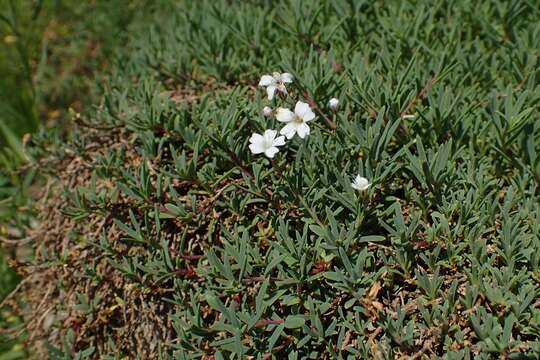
(274, 82)
(360, 183)
(408, 117)
(296, 121)
(266, 143)
(267, 111)
(333, 103)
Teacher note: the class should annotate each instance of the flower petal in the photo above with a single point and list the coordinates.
(279, 141)
(360, 183)
(256, 138)
(286, 78)
(284, 115)
(257, 148)
(270, 152)
(270, 90)
(266, 80)
(308, 116)
(302, 130)
(269, 136)
(289, 130)
(301, 108)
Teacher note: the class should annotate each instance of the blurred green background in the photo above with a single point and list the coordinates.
(52, 53)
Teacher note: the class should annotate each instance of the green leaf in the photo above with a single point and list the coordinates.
(294, 321)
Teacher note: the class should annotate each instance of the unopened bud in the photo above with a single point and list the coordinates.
(333, 103)
(267, 111)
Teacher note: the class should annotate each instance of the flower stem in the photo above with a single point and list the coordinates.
(332, 125)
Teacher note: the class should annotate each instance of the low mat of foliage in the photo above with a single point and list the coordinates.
(162, 236)
(50, 54)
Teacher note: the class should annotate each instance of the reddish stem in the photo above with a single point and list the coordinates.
(266, 322)
(332, 125)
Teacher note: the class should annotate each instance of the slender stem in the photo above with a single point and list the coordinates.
(420, 96)
(332, 125)
(310, 211)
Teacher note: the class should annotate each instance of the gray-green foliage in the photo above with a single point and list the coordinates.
(50, 54)
(283, 259)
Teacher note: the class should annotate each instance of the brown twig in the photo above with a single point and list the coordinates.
(239, 163)
(40, 319)
(277, 349)
(11, 294)
(16, 242)
(420, 96)
(332, 125)
(255, 279)
(265, 322)
(337, 67)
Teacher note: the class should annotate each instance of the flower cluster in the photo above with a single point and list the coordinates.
(296, 122)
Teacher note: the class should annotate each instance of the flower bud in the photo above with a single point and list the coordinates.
(267, 111)
(333, 103)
